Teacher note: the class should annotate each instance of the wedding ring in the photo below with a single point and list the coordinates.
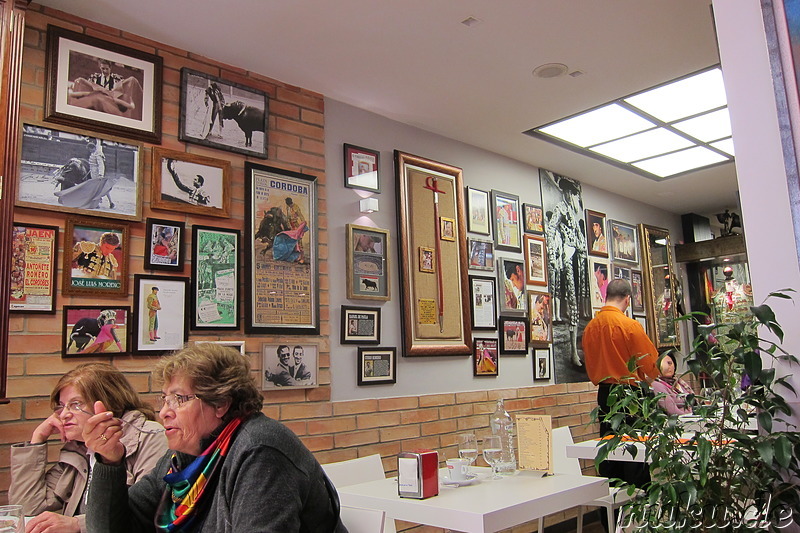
(103, 436)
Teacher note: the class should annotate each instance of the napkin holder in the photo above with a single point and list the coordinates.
(418, 474)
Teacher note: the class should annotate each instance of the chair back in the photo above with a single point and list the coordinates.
(363, 520)
(562, 437)
(361, 470)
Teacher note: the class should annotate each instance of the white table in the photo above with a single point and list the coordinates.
(588, 450)
(483, 507)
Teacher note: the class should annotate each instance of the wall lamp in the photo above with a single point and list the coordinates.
(368, 205)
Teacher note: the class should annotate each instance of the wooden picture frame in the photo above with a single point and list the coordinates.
(94, 175)
(506, 221)
(447, 229)
(215, 278)
(435, 320)
(542, 364)
(533, 217)
(361, 168)
(596, 241)
(478, 220)
(207, 101)
(34, 250)
(624, 242)
(368, 269)
(481, 254)
(95, 258)
(95, 330)
(637, 291)
(159, 314)
(294, 365)
(190, 183)
(281, 252)
(483, 303)
(540, 317)
(360, 325)
(485, 360)
(511, 286)
(377, 366)
(535, 249)
(165, 245)
(513, 335)
(125, 102)
(599, 277)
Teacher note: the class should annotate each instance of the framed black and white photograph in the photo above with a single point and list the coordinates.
(624, 242)
(102, 86)
(361, 168)
(483, 302)
(95, 330)
(223, 114)
(367, 263)
(541, 364)
(478, 211)
(165, 242)
(159, 313)
(485, 360)
(215, 278)
(511, 286)
(190, 183)
(513, 332)
(69, 171)
(290, 365)
(34, 249)
(533, 218)
(377, 366)
(481, 254)
(507, 221)
(360, 325)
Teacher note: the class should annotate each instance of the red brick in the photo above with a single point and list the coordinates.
(392, 404)
(377, 420)
(356, 438)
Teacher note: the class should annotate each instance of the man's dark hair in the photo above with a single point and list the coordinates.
(109, 238)
(511, 268)
(200, 179)
(618, 289)
(281, 347)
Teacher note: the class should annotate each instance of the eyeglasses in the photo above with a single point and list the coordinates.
(71, 407)
(173, 401)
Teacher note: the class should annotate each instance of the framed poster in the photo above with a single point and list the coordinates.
(164, 245)
(637, 293)
(541, 317)
(624, 242)
(478, 211)
(377, 366)
(481, 254)
(434, 304)
(360, 325)
(598, 280)
(295, 366)
(159, 310)
(208, 101)
(534, 218)
(506, 219)
(511, 280)
(484, 357)
(541, 364)
(239, 346)
(281, 265)
(34, 249)
(71, 172)
(95, 258)
(513, 335)
(361, 168)
(535, 259)
(367, 263)
(215, 278)
(483, 298)
(95, 330)
(596, 233)
(102, 86)
(190, 183)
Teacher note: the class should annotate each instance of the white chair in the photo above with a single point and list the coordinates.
(361, 470)
(362, 520)
(562, 437)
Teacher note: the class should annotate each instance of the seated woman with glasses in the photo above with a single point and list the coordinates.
(57, 496)
(229, 468)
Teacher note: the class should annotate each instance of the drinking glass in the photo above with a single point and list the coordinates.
(493, 453)
(468, 447)
(11, 519)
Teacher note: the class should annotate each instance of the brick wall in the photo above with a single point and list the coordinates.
(334, 431)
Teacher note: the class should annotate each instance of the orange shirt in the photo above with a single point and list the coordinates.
(610, 340)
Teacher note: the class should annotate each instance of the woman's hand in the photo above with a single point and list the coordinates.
(102, 432)
(48, 522)
(52, 425)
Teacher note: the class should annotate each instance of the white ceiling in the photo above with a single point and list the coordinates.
(415, 62)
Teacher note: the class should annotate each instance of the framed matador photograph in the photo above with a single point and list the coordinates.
(281, 266)
(534, 218)
(535, 249)
(102, 86)
(511, 286)
(478, 211)
(164, 245)
(95, 330)
(223, 114)
(215, 278)
(34, 249)
(190, 183)
(596, 233)
(637, 292)
(513, 332)
(361, 168)
(624, 242)
(360, 325)
(95, 258)
(540, 317)
(507, 221)
(541, 364)
(290, 365)
(159, 310)
(481, 254)
(599, 277)
(483, 302)
(69, 171)
(621, 272)
(377, 366)
(367, 263)
(484, 357)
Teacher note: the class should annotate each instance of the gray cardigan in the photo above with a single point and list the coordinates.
(269, 482)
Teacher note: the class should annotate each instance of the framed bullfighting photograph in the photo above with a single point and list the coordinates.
(377, 366)
(511, 286)
(190, 183)
(71, 172)
(281, 265)
(34, 249)
(535, 259)
(624, 242)
(159, 309)
(290, 365)
(164, 245)
(513, 335)
(360, 325)
(597, 244)
(481, 254)
(102, 86)
(93, 330)
(367, 263)
(223, 114)
(95, 258)
(215, 278)
(483, 302)
(361, 168)
(484, 357)
(541, 364)
(507, 221)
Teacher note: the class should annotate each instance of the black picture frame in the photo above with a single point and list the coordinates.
(165, 245)
(361, 168)
(360, 325)
(483, 302)
(173, 321)
(34, 249)
(86, 331)
(513, 335)
(533, 219)
(485, 357)
(384, 358)
(542, 364)
(215, 278)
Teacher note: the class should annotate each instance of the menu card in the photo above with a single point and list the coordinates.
(535, 442)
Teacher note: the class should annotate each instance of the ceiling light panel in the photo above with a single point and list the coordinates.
(726, 145)
(643, 145)
(680, 162)
(683, 98)
(598, 126)
(708, 127)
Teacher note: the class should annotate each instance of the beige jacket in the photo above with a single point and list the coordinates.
(60, 488)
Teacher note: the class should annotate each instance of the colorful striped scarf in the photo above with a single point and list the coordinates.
(190, 490)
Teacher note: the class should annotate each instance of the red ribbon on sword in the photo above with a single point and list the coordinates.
(431, 183)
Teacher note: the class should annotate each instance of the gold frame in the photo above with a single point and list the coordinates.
(661, 326)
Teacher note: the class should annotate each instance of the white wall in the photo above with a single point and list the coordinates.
(482, 170)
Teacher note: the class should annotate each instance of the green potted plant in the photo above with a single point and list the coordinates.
(717, 474)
